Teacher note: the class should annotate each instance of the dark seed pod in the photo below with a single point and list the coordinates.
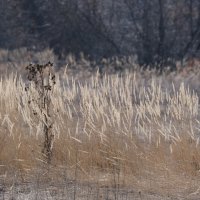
(26, 88)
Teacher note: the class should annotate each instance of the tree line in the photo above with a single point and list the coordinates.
(155, 31)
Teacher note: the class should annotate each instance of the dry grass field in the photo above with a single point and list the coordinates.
(133, 135)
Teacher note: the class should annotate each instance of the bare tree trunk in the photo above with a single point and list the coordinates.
(161, 49)
(146, 34)
(191, 18)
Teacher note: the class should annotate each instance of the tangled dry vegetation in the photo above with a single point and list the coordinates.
(116, 129)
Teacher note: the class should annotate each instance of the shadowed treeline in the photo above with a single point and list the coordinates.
(154, 30)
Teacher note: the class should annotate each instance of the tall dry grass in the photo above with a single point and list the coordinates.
(116, 129)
